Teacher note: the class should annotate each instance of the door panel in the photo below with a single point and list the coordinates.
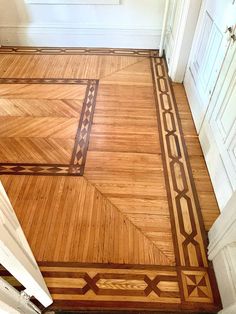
(222, 114)
(232, 151)
(210, 84)
(208, 53)
(208, 58)
(218, 133)
(16, 255)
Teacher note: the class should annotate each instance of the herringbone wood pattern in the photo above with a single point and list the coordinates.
(38, 123)
(55, 118)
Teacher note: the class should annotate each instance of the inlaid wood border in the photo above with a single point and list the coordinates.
(189, 235)
(190, 238)
(190, 286)
(78, 158)
(77, 51)
(126, 287)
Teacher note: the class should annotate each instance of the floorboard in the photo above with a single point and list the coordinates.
(99, 152)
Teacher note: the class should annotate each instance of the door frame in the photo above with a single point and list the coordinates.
(182, 43)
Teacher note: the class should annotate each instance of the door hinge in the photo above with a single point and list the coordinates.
(25, 300)
(24, 295)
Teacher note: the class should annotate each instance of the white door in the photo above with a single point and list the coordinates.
(218, 133)
(16, 255)
(211, 42)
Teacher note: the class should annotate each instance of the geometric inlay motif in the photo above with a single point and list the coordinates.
(93, 285)
(182, 198)
(78, 51)
(197, 287)
(122, 284)
(187, 285)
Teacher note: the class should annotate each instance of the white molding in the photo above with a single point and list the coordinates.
(79, 26)
(73, 2)
(225, 268)
(73, 35)
(229, 310)
(164, 28)
(169, 46)
(223, 232)
(189, 14)
(222, 252)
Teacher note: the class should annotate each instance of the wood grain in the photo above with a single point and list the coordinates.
(35, 150)
(81, 225)
(124, 158)
(209, 207)
(131, 287)
(129, 234)
(63, 66)
(45, 125)
(61, 108)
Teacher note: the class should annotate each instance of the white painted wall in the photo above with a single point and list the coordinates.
(133, 24)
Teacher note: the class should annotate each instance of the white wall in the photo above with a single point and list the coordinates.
(133, 23)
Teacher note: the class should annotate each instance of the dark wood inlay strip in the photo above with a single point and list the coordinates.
(186, 219)
(44, 81)
(78, 51)
(79, 154)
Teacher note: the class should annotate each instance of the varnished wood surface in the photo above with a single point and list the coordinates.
(124, 158)
(62, 66)
(48, 122)
(81, 225)
(129, 234)
(207, 199)
(45, 125)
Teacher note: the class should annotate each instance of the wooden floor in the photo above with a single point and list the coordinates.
(98, 154)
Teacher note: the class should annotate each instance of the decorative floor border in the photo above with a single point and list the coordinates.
(188, 286)
(186, 217)
(78, 158)
(127, 287)
(78, 51)
(189, 236)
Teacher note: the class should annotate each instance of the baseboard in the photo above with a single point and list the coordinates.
(54, 36)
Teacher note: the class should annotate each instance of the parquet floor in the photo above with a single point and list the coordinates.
(98, 155)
